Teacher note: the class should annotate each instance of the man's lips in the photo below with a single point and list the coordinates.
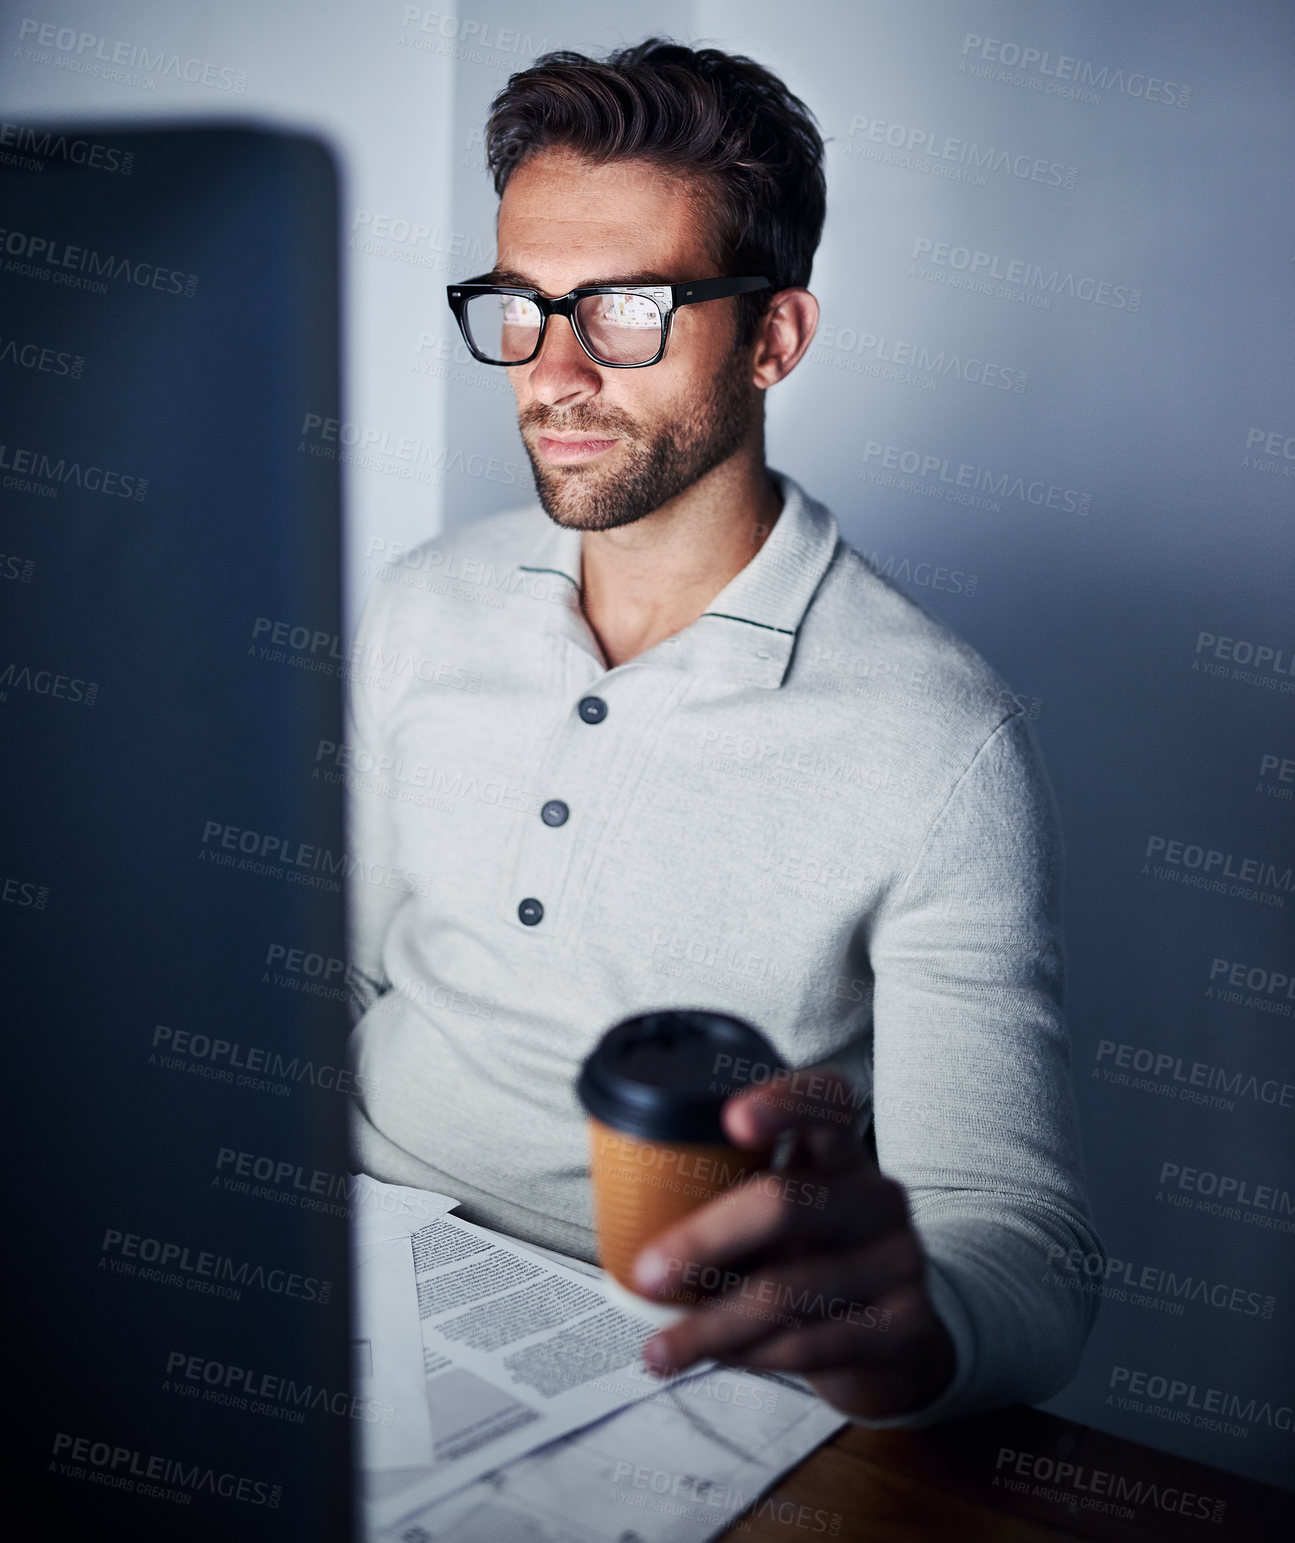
(564, 449)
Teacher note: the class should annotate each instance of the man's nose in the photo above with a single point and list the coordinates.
(562, 373)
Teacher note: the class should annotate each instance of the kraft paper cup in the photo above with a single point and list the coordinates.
(653, 1089)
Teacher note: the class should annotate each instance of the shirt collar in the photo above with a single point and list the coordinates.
(748, 630)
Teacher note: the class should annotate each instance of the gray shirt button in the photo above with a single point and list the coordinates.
(555, 812)
(592, 709)
(531, 912)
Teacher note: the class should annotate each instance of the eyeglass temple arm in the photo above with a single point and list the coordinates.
(715, 289)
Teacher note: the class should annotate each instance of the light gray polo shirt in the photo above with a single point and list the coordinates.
(813, 807)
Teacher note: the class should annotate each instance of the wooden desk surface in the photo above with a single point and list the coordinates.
(955, 1482)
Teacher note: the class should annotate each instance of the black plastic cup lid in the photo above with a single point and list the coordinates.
(664, 1076)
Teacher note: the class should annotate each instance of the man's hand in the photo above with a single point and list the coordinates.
(814, 1269)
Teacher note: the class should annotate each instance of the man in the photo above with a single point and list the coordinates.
(714, 761)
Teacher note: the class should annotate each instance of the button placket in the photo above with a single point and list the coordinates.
(596, 761)
(544, 859)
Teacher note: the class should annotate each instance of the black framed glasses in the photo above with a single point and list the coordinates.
(620, 326)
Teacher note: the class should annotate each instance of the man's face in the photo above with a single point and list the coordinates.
(609, 446)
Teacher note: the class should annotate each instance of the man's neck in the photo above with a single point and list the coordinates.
(646, 581)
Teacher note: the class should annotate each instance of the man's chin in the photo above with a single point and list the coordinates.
(573, 496)
(589, 519)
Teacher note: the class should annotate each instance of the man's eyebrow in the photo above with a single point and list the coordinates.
(511, 276)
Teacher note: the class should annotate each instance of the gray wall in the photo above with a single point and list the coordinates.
(1052, 393)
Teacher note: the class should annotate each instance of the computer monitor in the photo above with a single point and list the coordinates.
(172, 864)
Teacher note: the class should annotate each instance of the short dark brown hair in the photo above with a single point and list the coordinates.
(722, 118)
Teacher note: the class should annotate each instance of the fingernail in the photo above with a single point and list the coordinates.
(650, 1270)
(654, 1355)
(660, 1360)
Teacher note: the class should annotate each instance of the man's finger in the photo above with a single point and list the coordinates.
(826, 1347)
(768, 1213)
(841, 1289)
(821, 1104)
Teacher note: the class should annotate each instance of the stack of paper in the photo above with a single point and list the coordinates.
(511, 1402)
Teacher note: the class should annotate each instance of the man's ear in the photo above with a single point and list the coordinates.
(783, 333)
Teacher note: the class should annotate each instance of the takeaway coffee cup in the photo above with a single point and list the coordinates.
(653, 1089)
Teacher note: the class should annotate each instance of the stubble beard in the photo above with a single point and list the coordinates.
(652, 467)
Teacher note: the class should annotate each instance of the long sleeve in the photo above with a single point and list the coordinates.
(972, 1099)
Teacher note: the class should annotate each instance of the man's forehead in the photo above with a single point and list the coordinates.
(624, 216)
